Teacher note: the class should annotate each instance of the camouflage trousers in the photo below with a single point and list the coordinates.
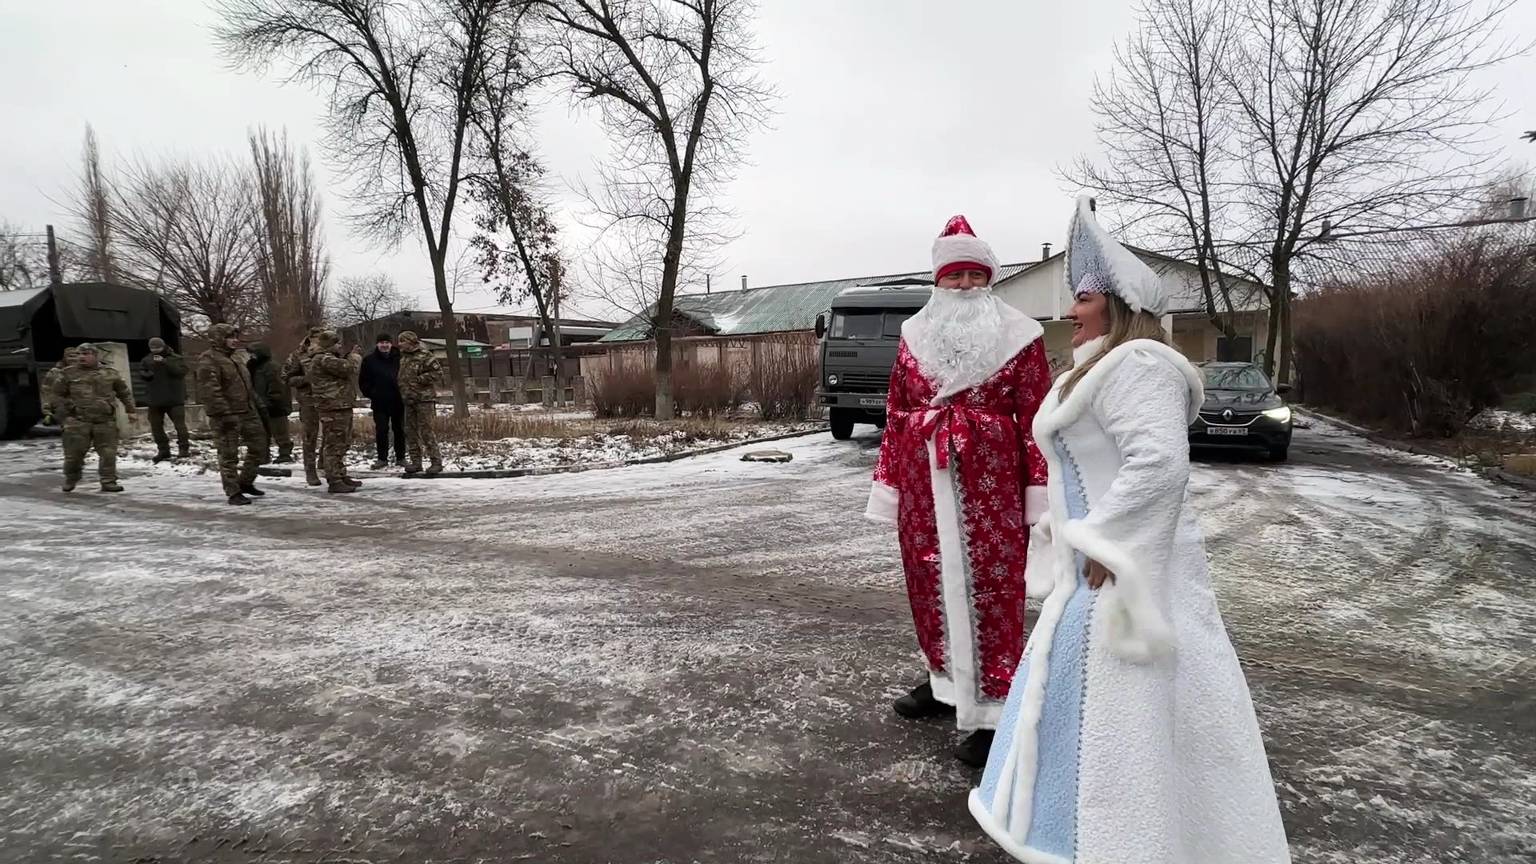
(309, 419)
(335, 440)
(228, 434)
(80, 436)
(419, 434)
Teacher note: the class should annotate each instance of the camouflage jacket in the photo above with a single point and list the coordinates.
(419, 372)
(332, 379)
(87, 394)
(50, 404)
(293, 374)
(224, 385)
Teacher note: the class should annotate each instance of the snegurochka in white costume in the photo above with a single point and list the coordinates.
(1128, 736)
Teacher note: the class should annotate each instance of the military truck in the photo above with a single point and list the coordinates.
(859, 338)
(37, 324)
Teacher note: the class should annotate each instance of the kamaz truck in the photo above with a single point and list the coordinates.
(859, 338)
(37, 324)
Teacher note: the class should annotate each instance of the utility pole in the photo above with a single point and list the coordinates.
(55, 277)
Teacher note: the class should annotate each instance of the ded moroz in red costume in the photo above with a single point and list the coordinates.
(960, 476)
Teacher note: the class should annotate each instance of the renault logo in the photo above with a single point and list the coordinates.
(1226, 416)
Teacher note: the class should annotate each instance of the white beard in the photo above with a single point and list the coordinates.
(959, 336)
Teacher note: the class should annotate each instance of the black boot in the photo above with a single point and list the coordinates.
(920, 704)
(237, 498)
(162, 456)
(974, 749)
(250, 489)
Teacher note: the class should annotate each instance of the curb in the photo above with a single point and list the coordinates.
(1498, 475)
(544, 471)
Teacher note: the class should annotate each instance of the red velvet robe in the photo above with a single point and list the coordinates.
(963, 482)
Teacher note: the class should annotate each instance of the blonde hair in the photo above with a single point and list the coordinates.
(1124, 326)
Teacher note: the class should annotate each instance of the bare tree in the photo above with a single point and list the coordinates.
(1324, 115)
(400, 78)
(677, 84)
(1166, 123)
(516, 241)
(292, 266)
(93, 207)
(187, 230)
(23, 259)
(360, 299)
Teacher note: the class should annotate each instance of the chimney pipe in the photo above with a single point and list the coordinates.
(743, 281)
(1517, 207)
(1045, 251)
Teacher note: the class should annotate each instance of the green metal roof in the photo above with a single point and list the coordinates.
(771, 309)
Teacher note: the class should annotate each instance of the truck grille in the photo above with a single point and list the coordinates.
(862, 380)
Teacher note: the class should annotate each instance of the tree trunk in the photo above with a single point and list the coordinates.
(664, 403)
(1284, 296)
(450, 333)
(1271, 338)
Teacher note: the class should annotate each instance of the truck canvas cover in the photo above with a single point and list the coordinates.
(87, 310)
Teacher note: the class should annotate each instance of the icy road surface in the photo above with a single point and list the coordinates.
(692, 662)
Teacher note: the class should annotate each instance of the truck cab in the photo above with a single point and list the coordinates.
(859, 337)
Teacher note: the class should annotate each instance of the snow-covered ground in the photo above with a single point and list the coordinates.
(693, 662)
(1497, 420)
(595, 450)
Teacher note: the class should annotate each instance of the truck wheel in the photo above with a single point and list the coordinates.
(842, 424)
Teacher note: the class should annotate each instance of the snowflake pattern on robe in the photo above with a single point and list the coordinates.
(983, 436)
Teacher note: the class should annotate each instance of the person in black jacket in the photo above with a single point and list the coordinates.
(164, 373)
(379, 381)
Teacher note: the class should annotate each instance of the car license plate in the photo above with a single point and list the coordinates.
(872, 402)
(1227, 430)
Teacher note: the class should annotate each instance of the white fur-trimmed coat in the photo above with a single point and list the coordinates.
(1129, 736)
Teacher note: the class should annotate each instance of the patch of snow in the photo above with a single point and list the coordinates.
(1497, 420)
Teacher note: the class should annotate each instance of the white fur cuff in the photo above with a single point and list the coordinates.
(882, 504)
(1040, 561)
(1036, 504)
(1137, 631)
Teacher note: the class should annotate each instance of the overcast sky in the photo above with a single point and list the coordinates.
(895, 115)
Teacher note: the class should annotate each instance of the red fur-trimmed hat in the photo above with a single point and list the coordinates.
(958, 248)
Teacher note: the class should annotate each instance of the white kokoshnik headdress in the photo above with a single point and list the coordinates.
(1098, 263)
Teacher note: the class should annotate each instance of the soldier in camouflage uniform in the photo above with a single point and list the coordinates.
(298, 385)
(224, 384)
(333, 385)
(51, 412)
(84, 395)
(272, 399)
(419, 372)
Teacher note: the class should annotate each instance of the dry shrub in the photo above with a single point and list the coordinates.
(706, 389)
(1423, 353)
(783, 381)
(628, 391)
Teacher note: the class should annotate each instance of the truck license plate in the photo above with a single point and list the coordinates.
(872, 402)
(1227, 430)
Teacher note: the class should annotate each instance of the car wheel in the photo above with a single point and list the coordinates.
(1279, 454)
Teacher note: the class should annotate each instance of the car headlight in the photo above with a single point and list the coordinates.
(832, 380)
(1282, 414)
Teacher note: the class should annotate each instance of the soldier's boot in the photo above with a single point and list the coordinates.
(340, 487)
(70, 484)
(351, 481)
(413, 466)
(163, 456)
(237, 498)
(311, 476)
(284, 454)
(379, 465)
(183, 450)
(435, 468)
(250, 489)
(110, 486)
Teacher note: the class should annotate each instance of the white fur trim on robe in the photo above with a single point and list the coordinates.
(1130, 529)
(882, 504)
(1037, 503)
